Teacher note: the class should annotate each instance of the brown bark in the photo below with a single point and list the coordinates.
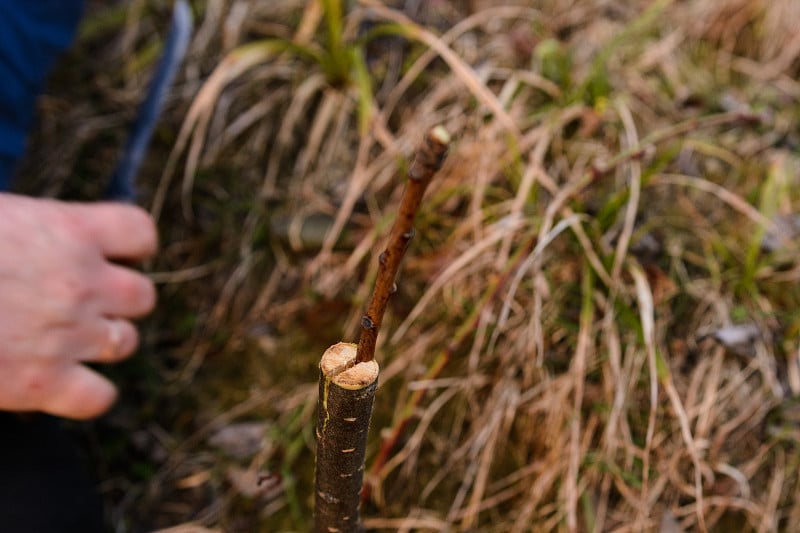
(344, 408)
(428, 160)
(349, 373)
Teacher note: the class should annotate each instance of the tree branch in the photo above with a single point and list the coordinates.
(428, 160)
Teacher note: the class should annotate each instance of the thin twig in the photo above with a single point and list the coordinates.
(428, 160)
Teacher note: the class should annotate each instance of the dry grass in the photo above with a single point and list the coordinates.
(616, 167)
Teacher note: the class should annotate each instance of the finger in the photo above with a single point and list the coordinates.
(95, 340)
(123, 292)
(112, 341)
(121, 231)
(80, 393)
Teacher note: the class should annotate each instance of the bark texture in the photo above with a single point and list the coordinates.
(427, 161)
(346, 395)
(349, 373)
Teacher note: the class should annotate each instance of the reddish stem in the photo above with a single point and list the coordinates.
(428, 160)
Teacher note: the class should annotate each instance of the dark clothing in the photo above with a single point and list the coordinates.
(43, 487)
(33, 33)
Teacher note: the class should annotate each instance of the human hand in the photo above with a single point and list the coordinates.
(64, 303)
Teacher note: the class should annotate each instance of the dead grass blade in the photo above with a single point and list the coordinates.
(299, 106)
(732, 199)
(634, 171)
(578, 371)
(495, 235)
(645, 300)
(532, 264)
(463, 71)
(477, 19)
(195, 125)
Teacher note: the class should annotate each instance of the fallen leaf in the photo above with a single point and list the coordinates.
(739, 338)
(785, 228)
(240, 441)
(253, 484)
(669, 524)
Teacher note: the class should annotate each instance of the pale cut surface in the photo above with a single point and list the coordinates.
(337, 364)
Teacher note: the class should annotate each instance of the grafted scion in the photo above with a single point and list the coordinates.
(428, 159)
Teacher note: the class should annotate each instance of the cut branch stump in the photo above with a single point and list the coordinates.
(349, 373)
(346, 394)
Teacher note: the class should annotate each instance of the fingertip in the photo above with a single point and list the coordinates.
(129, 339)
(84, 395)
(149, 230)
(122, 231)
(117, 339)
(149, 296)
(144, 233)
(126, 293)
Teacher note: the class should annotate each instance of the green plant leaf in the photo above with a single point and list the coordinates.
(364, 89)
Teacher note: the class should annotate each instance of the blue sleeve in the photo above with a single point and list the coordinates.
(33, 33)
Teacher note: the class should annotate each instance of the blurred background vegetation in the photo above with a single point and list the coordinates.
(606, 268)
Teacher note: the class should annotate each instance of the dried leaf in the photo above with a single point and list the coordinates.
(242, 440)
(253, 484)
(784, 228)
(739, 338)
(669, 524)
